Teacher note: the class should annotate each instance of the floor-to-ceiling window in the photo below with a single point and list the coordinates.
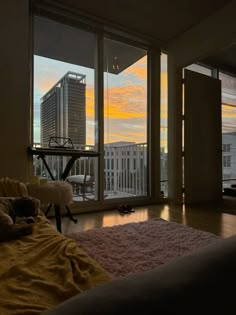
(228, 84)
(63, 94)
(200, 69)
(125, 119)
(163, 130)
(66, 65)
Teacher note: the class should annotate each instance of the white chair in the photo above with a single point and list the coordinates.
(81, 183)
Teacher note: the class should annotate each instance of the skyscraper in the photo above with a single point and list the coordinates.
(63, 110)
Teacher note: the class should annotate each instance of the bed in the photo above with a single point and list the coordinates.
(41, 270)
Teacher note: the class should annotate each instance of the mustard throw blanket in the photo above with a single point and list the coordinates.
(43, 269)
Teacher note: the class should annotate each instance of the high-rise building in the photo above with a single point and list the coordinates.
(63, 110)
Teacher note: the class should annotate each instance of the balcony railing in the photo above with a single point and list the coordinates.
(125, 169)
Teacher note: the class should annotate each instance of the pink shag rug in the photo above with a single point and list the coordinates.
(136, 247)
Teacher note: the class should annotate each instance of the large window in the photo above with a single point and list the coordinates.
(125, 119)
(200, 69)
(66, 75)
(228, 84)
(63, 82)
(64, 101)
(163, 131)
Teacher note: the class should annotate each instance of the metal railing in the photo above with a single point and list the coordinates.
(125, 171)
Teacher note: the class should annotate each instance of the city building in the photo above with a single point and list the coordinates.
(125, 168)
(63, 110)
(229, 158)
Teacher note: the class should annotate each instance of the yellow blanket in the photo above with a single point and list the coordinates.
(43, 269)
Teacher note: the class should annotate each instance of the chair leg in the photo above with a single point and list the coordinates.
(70, 214)
(83, 192)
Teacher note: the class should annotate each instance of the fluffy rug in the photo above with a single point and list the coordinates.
(135, 247)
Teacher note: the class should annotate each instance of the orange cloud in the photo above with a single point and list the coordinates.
(134, 137)
(228, 111)
(139, 69)
(90, 102)
(125, 105)
(125, 109)
(125, 102)
(120, 113)
(164, 115)
(163, 143)
(164, 82)
(120, 102)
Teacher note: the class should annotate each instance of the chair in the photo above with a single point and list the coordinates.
(57, 193)
(81, 183)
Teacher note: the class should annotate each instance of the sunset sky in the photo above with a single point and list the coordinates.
(125, 99)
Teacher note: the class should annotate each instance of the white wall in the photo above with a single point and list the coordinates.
(15, 89)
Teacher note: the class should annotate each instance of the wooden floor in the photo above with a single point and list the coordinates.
(208, 217)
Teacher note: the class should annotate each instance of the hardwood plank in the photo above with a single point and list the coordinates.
(206, 217)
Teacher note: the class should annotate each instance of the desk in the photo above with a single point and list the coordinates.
(74, 155)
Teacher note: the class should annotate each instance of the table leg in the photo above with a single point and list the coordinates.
(47, 167)
(68, 168)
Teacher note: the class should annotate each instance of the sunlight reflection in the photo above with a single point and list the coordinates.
(165, 213)
(184, 215)
(90, 223)
(117, 218)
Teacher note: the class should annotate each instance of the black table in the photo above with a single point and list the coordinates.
(74, 154)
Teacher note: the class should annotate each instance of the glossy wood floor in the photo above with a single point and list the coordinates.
(208, 217)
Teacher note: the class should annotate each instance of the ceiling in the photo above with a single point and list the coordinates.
(156, 20)
(61, 42)
(224, 59)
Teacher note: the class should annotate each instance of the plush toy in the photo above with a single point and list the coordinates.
(17, 217)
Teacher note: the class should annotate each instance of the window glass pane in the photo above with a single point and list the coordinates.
(125, 119)
(63, 97)
(200, 69)
(228, 84)
(163, 133)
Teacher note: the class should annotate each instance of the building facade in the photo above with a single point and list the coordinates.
(229, 158)
(63, 110)
(125, 168)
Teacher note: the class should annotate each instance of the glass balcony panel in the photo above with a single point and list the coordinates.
(228, 129)
(125, 120)
(164, 127)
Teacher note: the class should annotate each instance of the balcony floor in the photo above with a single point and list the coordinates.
(108, 195)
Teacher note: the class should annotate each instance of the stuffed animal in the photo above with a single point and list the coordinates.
(17, 217)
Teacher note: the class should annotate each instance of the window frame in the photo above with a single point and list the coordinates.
(153, 112)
